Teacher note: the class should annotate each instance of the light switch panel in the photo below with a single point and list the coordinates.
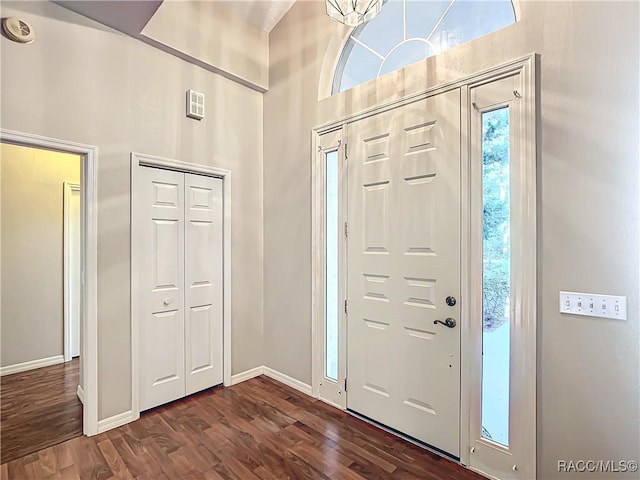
(593, 305)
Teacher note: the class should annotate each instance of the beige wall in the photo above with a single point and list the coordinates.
(32, 251)
(209, 33)
(84, 82)
(588, 369)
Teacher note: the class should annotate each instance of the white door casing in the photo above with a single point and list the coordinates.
(329, 389)
(403, 261)
(203, 282)
(162, 345)
(72, 269)
(140, 163)
(513, 90)
(486, 459)
(89, 263)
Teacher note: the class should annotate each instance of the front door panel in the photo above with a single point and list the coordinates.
(404, 260)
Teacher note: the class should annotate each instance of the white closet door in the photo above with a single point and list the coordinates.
(160, 218)
(203, 280)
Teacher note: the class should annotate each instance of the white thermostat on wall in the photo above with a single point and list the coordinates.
(195, 104)
(18, 30)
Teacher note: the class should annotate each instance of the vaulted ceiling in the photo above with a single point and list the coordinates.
(130, 16)
(263, 14)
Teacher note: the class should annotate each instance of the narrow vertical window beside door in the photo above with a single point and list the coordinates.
(332, 241)
(496, 275)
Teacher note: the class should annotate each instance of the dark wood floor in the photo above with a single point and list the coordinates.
(38, 409)
(259, 429)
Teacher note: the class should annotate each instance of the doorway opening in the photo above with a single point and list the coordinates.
(41, 298)
(436, 339)
(180, 279)
(48, 291)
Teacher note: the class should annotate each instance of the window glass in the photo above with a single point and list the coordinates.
(361, 66)
(389, 21)
(332, 258)
(423, 16)
(496, 275)
(407, 31)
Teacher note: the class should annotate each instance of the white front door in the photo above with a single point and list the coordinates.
(403, 262)
(161, 236)
(203, 280)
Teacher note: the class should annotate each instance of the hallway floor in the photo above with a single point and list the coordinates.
(39, 408)
(258, 429)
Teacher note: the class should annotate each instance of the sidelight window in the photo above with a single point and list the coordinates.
(496, 274)
(332, 241)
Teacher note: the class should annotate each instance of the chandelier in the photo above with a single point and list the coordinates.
(354, 12)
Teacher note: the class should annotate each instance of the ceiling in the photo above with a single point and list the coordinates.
(131, 16)
(128, 16)
(263, 14)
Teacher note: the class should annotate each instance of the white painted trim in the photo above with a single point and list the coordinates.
(332, 57)
(504, 69)
(470, 340)
(465, 261)
(275, 375)
(145, 160)
(31, 365)
(288, 381)
(80, 393)
(517, 9)
(115, 421)
(524, 64)
(327, 390)
(489, 458)
(317, 262)
(139, 160)
(247, 375)
(89, 206)
(66, 220)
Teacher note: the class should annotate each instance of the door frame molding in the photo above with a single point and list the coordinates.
(139, 160)
(526, 65)
(89, 259)
(336, 143)
(69, 188)
(524, 280)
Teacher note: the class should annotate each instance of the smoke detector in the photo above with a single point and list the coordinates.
(18, 30)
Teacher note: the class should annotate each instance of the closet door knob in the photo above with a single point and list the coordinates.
(167, 302)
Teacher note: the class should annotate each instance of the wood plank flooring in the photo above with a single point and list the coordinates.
(256, 430)
(39, 408)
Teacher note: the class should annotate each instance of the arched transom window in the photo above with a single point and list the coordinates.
(407, 31)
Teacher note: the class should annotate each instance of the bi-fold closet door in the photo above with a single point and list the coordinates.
(181, 336)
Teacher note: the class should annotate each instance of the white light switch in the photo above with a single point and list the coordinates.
(593, 305)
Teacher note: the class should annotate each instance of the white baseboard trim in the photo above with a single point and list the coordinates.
(115, 421)
(80, 394)
(289, 381)
(246, 375)
(32, 365)
(329, 402)
(274, 374)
